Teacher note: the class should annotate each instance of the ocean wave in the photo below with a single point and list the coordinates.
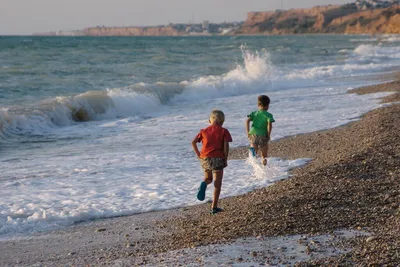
(389, 38)
(137, 99)
(255, 74)
(373, 39)
(392, 39)
(377, 51)
(42, 117)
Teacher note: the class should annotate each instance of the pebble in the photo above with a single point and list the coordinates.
(371, 238)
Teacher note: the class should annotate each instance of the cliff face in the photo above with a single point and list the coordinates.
(376, 21)
(326, 19)
(131, 31)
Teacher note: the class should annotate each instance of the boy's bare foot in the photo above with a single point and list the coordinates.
(264, 162)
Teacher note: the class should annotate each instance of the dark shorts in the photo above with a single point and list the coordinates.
(212, 164)
(258, 140)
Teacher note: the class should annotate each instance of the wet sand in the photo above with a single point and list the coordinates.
(352, 183)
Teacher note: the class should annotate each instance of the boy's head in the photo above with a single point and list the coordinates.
(217, 117)
(263, 101)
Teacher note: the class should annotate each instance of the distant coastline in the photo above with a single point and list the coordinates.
(181, 29)
(360, 17)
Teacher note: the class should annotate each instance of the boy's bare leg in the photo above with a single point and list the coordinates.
(264, 154)
(208, 178)
(217, 187)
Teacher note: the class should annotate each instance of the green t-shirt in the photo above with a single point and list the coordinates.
(260, 119)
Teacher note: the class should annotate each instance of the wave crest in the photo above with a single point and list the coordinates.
(253, 75)
(41, 118)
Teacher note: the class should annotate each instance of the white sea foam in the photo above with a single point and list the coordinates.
(364, 40)
(376, 51)
(129, 165)
(126, 150)
(70, 195)
(390, 38)
(257, 74)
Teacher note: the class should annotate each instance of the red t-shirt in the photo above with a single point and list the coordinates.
(213, 138)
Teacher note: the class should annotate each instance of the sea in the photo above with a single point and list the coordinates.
(101, 127)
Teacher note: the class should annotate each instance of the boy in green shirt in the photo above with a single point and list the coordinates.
(261, 127)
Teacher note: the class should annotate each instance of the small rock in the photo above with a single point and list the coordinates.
(101, 229)
(371, 238)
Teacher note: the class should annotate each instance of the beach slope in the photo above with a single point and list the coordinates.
(352, 182)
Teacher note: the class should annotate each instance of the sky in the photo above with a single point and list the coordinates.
(20, 17)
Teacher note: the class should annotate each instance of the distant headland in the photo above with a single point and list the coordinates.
(360, 17)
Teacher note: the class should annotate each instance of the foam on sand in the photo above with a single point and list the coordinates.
(269, 251)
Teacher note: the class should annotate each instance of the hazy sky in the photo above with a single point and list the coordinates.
(29, 16)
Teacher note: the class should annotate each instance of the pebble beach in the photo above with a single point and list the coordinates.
(342, 209)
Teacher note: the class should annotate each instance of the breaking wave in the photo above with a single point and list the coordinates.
(134, 100)
(377, 51)
(255, 74)
(40, 118)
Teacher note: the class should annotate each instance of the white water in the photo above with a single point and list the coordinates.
(136, 155)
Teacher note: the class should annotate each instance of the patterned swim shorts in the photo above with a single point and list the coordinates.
(258, 140)
(212, 164)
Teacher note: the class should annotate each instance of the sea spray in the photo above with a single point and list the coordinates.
(128, 149)
(253, 75)
(42, 117)
(259, 171)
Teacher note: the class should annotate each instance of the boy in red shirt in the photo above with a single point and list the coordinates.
(213, 156)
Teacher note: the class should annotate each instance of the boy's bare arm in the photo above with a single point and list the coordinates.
(269, 128)
(226, 150)
(195, 148)
(248, 125)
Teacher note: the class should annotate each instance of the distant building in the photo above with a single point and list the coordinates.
(69, 33)
(206, 26)
(366, 4)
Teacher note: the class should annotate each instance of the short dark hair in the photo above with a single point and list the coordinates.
(263, 101)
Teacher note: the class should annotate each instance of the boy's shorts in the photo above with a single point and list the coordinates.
(212, 164)
(258, 140)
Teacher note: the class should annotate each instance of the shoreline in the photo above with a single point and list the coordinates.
(206, 35)
(352, 182)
